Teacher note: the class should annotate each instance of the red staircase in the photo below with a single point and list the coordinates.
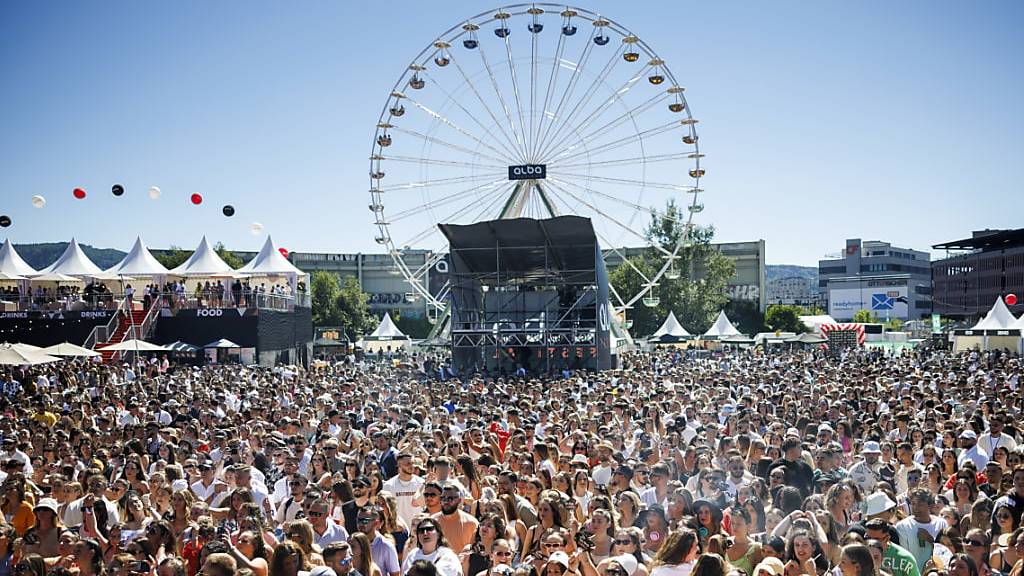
(123, 326)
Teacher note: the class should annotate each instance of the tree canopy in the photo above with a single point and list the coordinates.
(696, 295)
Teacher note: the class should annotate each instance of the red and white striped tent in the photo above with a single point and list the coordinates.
(844, 326)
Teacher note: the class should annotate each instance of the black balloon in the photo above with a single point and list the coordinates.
(117, 189)
(5, 221)
(228, 210)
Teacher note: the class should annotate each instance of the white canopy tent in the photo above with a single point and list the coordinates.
(721, 329)
(815, 322)
(73, 262)
(386, 335)
(204, 262)
(138, 262)
(999, 317)
(270, 262)
(671, 331)
(11, 263)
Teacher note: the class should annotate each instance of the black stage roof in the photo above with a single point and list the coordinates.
(527, 246)
(986, 240)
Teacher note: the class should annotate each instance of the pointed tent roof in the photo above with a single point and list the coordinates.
(269, 260)
(671, 327)
(721, 328)
(998, 318)
(11, 262)
(387, 330)
(73, 262)
(203, 262)
(138, 262)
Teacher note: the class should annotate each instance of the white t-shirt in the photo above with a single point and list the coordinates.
(404, 492)
(446, 562)
(919, 549)
(684, 569)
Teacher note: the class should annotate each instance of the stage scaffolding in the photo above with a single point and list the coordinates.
(528, 294)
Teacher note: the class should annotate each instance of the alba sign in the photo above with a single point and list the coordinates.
(528, 172)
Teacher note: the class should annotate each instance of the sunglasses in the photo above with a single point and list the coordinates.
(431, 495)
(976, 543)
(425, 529)
(450, 498)
(623, 542)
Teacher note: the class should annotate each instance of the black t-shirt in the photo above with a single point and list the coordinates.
(798, 475)
(350, 510)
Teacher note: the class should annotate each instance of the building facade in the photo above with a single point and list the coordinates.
(891, 282)
(978, 270)
(795, 291)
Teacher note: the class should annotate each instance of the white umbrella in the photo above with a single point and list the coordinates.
(20, 347)
(54, 277)
(222, 343)
(11, 356)
(111, 276)
(6, 276)
(134, 345)
(69, 349)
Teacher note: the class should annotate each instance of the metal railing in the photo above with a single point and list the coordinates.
(100, 334)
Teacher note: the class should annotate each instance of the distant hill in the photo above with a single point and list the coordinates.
(42, 255)
(776, 271)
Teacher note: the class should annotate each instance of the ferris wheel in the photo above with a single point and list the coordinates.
(534, 110)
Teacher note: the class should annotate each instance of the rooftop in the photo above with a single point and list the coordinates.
(986, 240)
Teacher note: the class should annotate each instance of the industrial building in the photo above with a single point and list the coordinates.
(893, 283)
(978, 270)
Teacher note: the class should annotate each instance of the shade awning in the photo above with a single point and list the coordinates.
(70, 350)
(134, 345)
(221, 343)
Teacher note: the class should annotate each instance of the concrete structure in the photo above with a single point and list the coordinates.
(795, 291)
(377, 275)
(892, 282)
(748, 280)
(977, 270)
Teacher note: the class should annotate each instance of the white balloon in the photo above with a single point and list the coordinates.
(256, 228)
(38, 201)
(154, 192)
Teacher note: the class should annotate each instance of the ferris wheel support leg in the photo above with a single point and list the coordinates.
(551, 208)
(442, 323)
(513, 207)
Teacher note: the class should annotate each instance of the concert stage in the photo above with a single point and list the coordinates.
(530, 294)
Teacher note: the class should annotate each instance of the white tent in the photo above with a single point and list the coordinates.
(203, 262)
(11, 263)
(998, 318)
(814, 323)
(1019, 324)
(671, 330)
(722, 328)
(386, 336)
(138, 262)
(387, 330)
(269, 260)
(73, 262)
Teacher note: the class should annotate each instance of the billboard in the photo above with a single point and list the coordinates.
(885, 302)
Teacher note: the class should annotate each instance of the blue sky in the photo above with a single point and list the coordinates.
(897, 121)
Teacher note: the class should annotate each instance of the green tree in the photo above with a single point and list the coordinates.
(353, 308)
(864, 317)
(325, 290)
(696, 295)
(784, 318)
(746, 316)
(173, 257)
(229, 257)
(412, 326)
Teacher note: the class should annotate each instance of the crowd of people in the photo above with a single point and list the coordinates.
(752, 464)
